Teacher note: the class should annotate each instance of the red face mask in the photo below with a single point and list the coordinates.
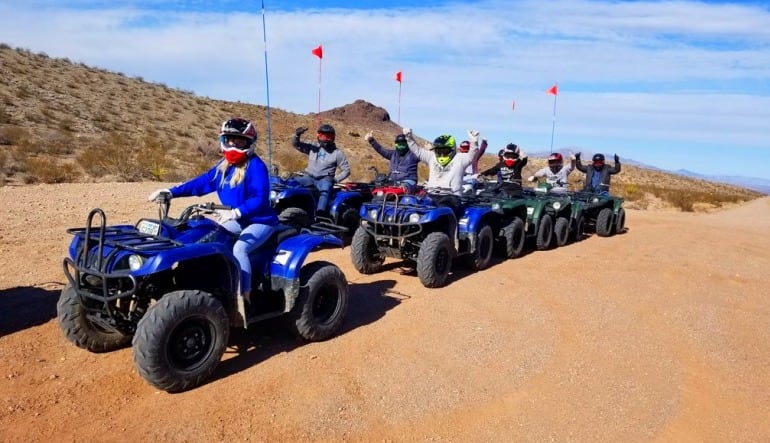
(509, 161)
(235, 156)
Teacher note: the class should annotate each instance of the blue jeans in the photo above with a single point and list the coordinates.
(324, 186)
(250, 239)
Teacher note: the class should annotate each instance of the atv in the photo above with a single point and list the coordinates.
(170, 287)
(604, 213)
(551, 220)
(425, 233)
(509, 224)
(296, 204)
(383, 186)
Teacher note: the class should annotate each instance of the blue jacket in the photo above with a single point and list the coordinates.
(402, 167)
(251, 197)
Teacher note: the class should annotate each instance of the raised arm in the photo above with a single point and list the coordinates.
(580, 167)
(423, 154)
(616, 169)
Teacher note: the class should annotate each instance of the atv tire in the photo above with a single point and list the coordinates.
(81, 331)
(482, 255)
(364, 253)
(295, 217)
(579, 232)
(512, 238)
(350, 219)
(604, 226)
(561, 231)
(620, 221)
(544, 233)
(322, 303)
(180, 340)
(434, 260)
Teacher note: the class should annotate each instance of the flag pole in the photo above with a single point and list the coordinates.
(555, 91)
(399, 79)
(267, 92)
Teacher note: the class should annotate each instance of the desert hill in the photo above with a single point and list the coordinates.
(62, 121)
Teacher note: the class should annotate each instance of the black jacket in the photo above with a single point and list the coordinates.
(605, 174)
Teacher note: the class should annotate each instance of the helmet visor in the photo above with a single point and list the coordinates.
(235, 141)
(401, 145)
(325, 137)
(442, 151)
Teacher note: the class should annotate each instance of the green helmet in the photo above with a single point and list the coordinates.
(444, 147)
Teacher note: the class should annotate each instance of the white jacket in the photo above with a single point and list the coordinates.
(449, 176)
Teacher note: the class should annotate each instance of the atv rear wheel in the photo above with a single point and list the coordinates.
(604, 226)
(80, 330)
(434, 260)
(512, 239)
(561, 231)
(295, 217)
(544, 233)
(181, 339)
(480, 257)
(580, 229)
(350, 219)
(322, 303)
(366, 256)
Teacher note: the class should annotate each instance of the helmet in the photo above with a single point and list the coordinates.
(237, 129)
(555, 162)
(325, 136)
(598, 160)
(500, 154)
(401, 144)
(444, 147)
(509, 154)
(465, 146)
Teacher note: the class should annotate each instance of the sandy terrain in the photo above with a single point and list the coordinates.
(662, 333)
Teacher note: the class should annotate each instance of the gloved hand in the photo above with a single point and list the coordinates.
(407, 132)
(474, 135)
(157, 193)
(299, 131)
(531, 179)
(369, 136)
(225, 215)
(577, 156)
(572, 157)
(617, 159)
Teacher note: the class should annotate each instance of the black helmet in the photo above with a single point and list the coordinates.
(400, 139)
(325, 136)
(598, 158)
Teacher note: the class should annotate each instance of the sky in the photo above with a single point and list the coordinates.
(671, 84)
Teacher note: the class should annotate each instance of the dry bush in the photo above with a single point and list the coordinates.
(151, 160)
(49, 170)
(112, 156)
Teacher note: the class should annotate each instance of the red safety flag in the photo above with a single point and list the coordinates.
(513, 105)
(554, 90)
(398, 76)
(318, 52)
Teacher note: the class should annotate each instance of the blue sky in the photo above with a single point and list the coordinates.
(673, 84)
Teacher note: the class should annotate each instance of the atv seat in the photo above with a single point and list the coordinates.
(281, 233)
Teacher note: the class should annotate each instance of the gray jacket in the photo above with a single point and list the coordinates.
(322, 163)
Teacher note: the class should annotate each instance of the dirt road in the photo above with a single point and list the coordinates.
(662, 333)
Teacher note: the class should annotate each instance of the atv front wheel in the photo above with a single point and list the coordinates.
(82, 331)
(350, 219)
(434, 260)
(604, 226)
(620, 221)
(322, 303)
(544, 233)
(561, 231)
(580, 229)
(366, 256)
(512, 239)
(480, 257)
(181, 339)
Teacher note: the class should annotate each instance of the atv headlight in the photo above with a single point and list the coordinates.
(135, 262)
(557, 205)
(530, 211)
(463, 221)
(273, 195)
(414, 217)
(496, 206)
(379, 193)
(372, 214)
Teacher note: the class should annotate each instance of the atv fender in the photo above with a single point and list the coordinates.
(169, 258)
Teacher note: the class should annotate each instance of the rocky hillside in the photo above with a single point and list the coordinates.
(63, 121)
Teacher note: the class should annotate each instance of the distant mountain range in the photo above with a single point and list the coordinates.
(754, 183)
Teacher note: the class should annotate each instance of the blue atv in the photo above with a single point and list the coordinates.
(169, 287)
(296, 204)
(425, 233)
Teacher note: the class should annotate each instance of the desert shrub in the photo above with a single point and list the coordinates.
(48, 170)
(630, 192)
(67, 124)
(57, 143)
(5, 116)
(151, 159)
(111, 155)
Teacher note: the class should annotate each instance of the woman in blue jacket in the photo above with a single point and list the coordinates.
(241, 181)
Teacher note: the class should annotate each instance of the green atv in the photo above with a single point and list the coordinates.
(511, 219)
(551, 220)
(603, 213)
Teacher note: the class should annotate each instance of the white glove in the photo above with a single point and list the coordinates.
(532, 178)
(407, 132)
(225, 215)
(474, 135)
(156, 193)
(369, 136)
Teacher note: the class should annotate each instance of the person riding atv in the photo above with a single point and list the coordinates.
(403, 163)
